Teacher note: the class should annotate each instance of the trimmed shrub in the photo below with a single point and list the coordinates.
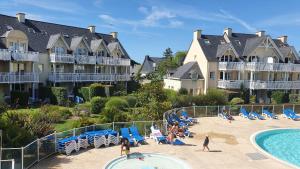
(117, 103)
(252, 99)
(59, 95)
(20, 98)
(56, 113)
(133, 86)
(131, 100)
(82, 121)
(294, 98)
(183, 91)
(85, 93)
(97, 89)
(237, 100)
(279, 97)
(97, 104)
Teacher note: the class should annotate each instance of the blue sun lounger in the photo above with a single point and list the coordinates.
(256, 115)
(269, 114)
(125, 134)
(183, 122)
(245, 114)
(136, 135)
(185, 115)
(290, 114)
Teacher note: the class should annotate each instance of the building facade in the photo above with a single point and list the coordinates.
(35, 53)
(256, 61)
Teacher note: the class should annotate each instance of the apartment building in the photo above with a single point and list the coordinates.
(258, 61)
(35, 53)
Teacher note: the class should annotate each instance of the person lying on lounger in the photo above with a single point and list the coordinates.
(228, 115)
(125, 147)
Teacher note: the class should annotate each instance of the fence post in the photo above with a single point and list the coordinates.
(22, 157)
(13, 163)
(282, 107)
(293, 107)
(38, 149)
(218, 109)
(252, 108)
(273, 108)
(194, 108)
(206, 111)
(113, 123)
(55, 141)
(262, 108)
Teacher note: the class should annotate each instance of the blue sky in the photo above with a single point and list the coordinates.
(150, 26)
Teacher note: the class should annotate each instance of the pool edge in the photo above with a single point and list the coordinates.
(253, 141)
(168, 156)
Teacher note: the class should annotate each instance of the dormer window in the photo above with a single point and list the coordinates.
(238, 42)
(58, 50)
(206, 41)
(81, 51)
(100, 53)
(15, 46)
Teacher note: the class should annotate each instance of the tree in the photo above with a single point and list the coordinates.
(179, 57)
(168, 53)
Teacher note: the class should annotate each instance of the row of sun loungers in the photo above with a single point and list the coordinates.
(287, 113)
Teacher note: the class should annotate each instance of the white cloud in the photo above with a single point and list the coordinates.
(54, 5)
(281, 20)
(243, 23)
(154, 17)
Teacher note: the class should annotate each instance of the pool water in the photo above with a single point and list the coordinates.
(281, 143)
(146, 161)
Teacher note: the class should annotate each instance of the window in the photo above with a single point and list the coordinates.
(58, 50)
(16, 46)
(81, 51)
(206, 41)
(100, 53)
(40, 68)
(212, 75)
(79, 68)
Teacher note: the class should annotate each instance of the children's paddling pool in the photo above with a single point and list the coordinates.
(283, 144)
(146, 161)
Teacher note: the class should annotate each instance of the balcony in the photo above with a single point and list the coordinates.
(10, 77)
(61, 58)
(113, 61)
(257, 85)
(259, 66)
(25, 56)
(5, 55)
(87, 77)
(84, 59)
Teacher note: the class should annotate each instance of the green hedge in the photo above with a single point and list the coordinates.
(85, 93)
(97, 104)
(59, 96)
(279, 97)
(294, 98)
(44, 92)
(97, 89)
(20, 97)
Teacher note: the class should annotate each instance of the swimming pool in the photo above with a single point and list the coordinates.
(284, 144)
(147, 161)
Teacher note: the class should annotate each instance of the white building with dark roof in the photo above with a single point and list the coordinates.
(259, 62)
(33, 53)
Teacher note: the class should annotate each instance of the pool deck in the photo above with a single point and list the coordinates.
(230, 143)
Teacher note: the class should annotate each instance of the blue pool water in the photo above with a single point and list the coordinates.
(281, 143)
(147, 161)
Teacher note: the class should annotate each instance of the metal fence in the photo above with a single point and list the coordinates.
(27, 156)
(212, 111)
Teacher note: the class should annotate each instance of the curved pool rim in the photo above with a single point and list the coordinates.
(253, 141)
(185, 164)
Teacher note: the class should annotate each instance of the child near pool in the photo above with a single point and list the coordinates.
(125, 147)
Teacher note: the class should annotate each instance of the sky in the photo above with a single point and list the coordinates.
(148, 27)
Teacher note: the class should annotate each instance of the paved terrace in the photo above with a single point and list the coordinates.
(230, 143)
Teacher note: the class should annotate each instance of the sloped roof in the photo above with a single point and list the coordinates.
(184, 71)
(147, 66)
(222, 49)
(210, 50)
(252, 43)
(95, 44)
(39, 33)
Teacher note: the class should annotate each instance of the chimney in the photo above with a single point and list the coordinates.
(283, 39)
(261, 33)
(92, 28)
(21, 17)
(197, 34)
(114, 35)
(228, 31)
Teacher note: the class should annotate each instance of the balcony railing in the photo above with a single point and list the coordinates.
(113, 61)
(25, 56)
(259, 66)
(11, 77)
(5, 54)
(256, 85)
(87, 77)
(61, 58)
(84, 59)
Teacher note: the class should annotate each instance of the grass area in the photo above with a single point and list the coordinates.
(70, 123)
